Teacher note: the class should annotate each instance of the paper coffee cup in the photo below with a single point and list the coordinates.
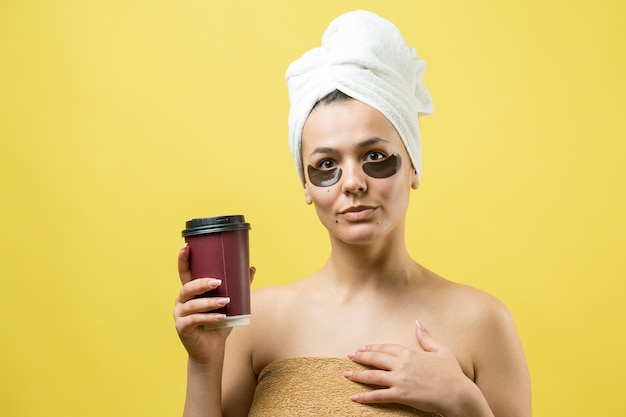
(219, 248)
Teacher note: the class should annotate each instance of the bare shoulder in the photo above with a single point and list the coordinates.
(470, 307)
(277, 314)
(480, 329)
(270, 303)
(495, 350)
(269, 295)
(487, 321)
(471, 321)
(487, 315)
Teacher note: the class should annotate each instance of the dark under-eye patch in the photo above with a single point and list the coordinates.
(324, 177)
(384, 168)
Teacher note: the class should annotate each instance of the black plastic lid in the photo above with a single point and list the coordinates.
(218, 224)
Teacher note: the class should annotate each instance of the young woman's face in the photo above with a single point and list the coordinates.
(357, 171)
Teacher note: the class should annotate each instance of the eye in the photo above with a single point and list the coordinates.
(326, 164)
(374, 156)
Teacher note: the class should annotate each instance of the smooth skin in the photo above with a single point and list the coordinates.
(463, 358)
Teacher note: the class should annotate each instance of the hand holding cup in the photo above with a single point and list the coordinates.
(214, 269)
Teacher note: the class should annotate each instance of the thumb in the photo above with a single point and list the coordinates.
(423, 338)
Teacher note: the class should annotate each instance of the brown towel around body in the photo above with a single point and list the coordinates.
(316, 387)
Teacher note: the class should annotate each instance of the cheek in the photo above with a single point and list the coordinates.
(394, 190)
(323, 198)
(324, 202)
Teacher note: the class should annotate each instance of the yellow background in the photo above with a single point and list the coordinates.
(120, 120)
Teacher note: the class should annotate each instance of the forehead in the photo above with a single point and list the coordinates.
(346, 124)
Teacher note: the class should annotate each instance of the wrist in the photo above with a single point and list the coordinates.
(470, 402)
(208, 365)
(202, 355)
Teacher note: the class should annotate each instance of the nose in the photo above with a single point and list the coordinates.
(353, 180)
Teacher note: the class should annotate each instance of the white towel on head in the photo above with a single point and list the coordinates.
(365, 57)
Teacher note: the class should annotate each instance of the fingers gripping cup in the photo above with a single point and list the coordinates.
(219, 248)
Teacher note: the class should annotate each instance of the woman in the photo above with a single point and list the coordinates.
(345, 340)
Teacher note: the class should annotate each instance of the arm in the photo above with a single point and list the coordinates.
(501, 371)
(206, 348)
(203, 396)
(239, 380)
(223, 388)
(250, 348)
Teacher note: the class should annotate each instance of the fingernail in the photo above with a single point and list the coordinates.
(223, 301)
(419, 329)
(347, 374)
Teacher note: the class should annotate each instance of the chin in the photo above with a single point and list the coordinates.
(356, 233)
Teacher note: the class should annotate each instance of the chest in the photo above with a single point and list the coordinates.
(327, 327)
(334, 329)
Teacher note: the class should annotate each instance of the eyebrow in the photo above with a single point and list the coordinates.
(333, 151)
(371, 141)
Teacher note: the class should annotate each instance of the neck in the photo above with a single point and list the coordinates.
(384, 264)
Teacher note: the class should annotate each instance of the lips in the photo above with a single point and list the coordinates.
(357, 213)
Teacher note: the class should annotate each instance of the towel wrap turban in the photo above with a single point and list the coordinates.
(364, 56)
